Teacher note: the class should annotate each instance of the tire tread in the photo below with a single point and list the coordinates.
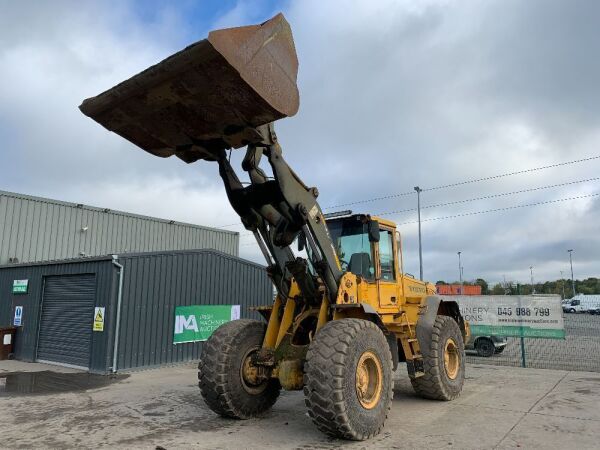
(431, 385)
(323, 378)
(215, 360)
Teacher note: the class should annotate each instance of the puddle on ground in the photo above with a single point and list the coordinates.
(48, 382)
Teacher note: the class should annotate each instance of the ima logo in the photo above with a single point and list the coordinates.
(183, 323)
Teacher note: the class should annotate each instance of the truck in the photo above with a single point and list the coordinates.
(345, 314)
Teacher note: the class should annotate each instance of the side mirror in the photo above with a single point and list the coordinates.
(373, 227)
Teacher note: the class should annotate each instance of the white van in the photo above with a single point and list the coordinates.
(582, 303)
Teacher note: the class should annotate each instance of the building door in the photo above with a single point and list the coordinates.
(65, 334)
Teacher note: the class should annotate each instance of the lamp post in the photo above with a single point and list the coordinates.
(572, 278)
(562, 282)
(460, 273)
(418, 189)
(532, 286)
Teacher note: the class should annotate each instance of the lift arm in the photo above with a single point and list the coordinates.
(278, 212)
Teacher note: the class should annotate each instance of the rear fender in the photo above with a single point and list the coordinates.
(434, 306)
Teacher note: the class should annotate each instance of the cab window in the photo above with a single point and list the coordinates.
(386, 255)
(351, 240)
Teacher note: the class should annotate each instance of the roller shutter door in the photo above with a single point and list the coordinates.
(67, 315)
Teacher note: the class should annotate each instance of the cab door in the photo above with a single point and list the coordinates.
(387, 272)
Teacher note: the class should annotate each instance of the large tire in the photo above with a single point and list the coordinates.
(439, 383)
(485, 347)
(348, 385)
(220, 371)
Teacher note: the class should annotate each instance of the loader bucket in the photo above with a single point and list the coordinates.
(209, 96)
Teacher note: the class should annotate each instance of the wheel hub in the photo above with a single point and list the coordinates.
(451, 359)
(369, 380)
(254, 378)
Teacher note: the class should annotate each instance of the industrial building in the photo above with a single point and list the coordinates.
(58, 303)
(98, 289)
(34, 229)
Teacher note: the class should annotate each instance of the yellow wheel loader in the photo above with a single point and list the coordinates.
(345, 313)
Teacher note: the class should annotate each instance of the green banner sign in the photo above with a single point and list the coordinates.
(530, 316)
(197, 322)
(20, 286)
(508, 331)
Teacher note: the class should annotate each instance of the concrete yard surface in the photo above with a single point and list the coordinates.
(501, 407)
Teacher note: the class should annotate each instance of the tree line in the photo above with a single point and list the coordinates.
(562, 287)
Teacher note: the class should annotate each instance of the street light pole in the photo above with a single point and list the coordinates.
(460, 273)
(418, 189)
(562, 282)
(532, 286)
(572, 278)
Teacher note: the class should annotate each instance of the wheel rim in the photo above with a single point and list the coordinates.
(250, 375)
(369, 380)
(451, 359)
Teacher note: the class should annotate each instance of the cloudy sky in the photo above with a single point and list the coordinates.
(394, 94)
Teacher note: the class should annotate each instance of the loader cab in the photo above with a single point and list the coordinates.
(367, 247)
(353, 245)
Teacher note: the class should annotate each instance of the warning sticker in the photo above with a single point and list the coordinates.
(98, 318)
(17, 322)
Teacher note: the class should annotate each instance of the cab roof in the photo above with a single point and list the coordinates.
(385, 222)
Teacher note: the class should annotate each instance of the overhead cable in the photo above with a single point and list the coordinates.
(473, 213)
(461, 183)
(486, 197)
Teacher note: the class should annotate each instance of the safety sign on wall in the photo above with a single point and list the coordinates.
(197, 322)
(20, 286)
(18, 316)
(98, 318)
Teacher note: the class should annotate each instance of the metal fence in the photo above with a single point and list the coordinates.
(580, 350)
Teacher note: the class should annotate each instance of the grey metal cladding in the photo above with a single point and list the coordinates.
(154, 285)
(39, 229)
(27, 335)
